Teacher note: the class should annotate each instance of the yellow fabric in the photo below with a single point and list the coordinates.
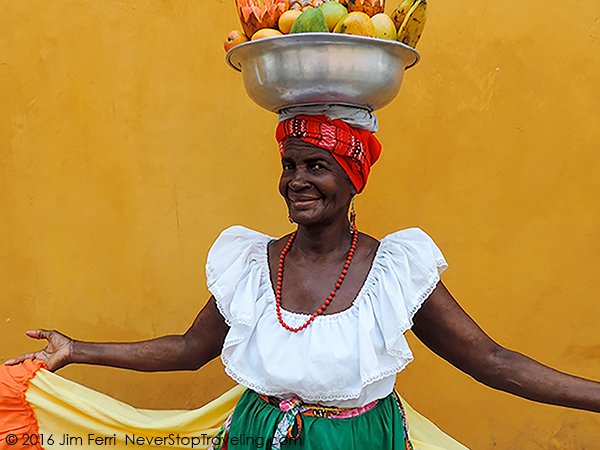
(63, 407)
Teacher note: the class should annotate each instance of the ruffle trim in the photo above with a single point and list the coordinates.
(312, 396)
(219, 295)
(250, 238)
(441, 265)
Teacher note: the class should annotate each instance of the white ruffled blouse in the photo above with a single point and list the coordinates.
(345, 359)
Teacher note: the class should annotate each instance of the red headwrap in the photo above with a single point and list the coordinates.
(355, 149)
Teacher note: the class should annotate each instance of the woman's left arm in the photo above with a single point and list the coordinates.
(443, 326)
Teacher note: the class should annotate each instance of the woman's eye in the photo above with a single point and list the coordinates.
(287, 166)
(317, 166)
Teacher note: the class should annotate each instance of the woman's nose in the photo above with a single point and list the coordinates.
(298, 179)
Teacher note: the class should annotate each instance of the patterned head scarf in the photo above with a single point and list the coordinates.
(355, 149)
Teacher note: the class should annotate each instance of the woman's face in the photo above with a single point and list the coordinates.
(314, 186)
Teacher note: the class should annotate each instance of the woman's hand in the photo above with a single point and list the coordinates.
(57, 353)
(201, 343)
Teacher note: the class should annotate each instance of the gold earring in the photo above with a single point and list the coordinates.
(352, 216)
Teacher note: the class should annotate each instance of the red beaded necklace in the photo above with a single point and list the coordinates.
(324, 306)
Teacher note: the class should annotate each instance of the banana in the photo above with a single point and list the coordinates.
(412, 27)
(401, 11)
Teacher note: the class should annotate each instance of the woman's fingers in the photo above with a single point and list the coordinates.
(56, 354)
(35, 334)
(19, 359)
(39, 334)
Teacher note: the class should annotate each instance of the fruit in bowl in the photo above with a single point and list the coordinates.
(333, 12)
(234, 38)
(257, 14)
(269, 18)
(410, 17)
(287, 19)
(369, 7)
(358, 23)
(384, 26)
(265, 33)
(303, 5)
(310, 21)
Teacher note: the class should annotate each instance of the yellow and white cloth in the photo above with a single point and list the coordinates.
(41, 410)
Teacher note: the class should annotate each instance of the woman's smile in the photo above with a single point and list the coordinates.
(300, 201)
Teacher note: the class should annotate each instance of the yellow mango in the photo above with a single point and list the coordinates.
(287, 19)
(384, 26)
(265, 33)
(357, 23)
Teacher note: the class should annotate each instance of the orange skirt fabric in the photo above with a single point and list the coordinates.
(16, 415)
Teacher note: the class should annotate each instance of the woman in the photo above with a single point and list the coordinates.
(312, 323)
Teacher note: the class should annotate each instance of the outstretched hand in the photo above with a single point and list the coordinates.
(56, 354)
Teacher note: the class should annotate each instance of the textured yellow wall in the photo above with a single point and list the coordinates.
(126, 145)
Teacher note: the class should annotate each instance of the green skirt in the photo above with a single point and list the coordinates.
(254, 422)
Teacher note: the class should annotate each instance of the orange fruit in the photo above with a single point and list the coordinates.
(234, 38)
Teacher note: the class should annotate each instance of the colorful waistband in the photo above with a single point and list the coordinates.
(315, 410)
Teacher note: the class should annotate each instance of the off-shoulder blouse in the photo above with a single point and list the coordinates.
(345, 359)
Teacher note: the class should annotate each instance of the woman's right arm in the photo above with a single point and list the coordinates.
(201, 343)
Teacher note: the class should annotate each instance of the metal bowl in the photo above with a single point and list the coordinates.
(312, 68)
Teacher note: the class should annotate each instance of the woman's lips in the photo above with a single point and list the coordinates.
(299, 202)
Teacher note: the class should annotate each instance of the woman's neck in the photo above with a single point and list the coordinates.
(317, 242)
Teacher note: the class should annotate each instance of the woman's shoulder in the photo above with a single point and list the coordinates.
(411, 233)
(235, 247)
(400, 240)
(412, 246)
(243, 233)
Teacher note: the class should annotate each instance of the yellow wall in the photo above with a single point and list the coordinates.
(126, 145)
